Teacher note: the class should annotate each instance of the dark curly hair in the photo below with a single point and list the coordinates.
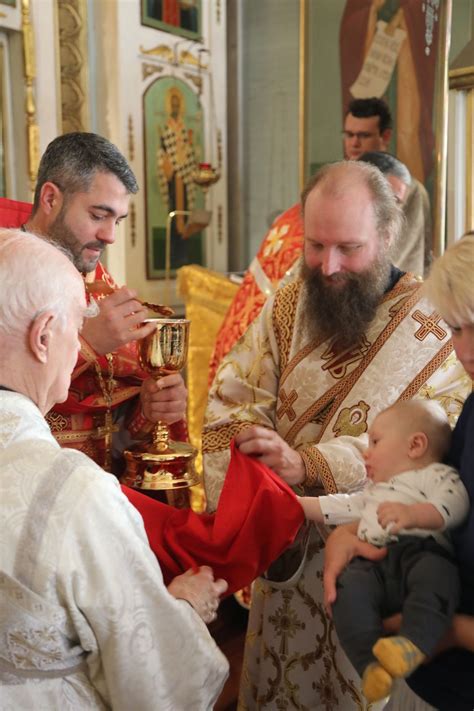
(365, 108)
(72, 160)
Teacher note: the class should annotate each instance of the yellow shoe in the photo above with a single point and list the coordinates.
(376, 682)
(398, 655)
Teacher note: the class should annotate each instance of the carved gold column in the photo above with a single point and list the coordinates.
(32, 128)
(72, 21)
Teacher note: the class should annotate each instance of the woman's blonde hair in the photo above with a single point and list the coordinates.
(450, 284)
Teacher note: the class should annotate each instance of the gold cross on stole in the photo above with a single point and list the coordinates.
(429, 324)
(105, 432)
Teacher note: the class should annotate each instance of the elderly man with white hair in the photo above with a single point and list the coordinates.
(85, 618)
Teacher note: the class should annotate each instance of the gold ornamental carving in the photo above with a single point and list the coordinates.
(149, 69)
(72, 19)
(195, 79)
(170, 55)
(131, 139)
(32, 128)
(186, 57)
(461, 78)
(133, 224)
(161, 50)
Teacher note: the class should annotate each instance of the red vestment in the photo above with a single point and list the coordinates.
(279, 250)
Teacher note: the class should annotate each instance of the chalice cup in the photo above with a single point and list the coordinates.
(165, 464)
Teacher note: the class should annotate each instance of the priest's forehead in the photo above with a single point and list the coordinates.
(340, 216)
(353, 183)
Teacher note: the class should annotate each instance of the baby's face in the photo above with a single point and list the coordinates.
(387, 453)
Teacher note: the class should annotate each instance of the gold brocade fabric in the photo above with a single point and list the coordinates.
(207, 296)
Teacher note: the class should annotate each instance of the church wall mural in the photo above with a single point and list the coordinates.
(173, 146)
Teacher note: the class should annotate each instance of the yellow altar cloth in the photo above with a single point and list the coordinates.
(207, 296)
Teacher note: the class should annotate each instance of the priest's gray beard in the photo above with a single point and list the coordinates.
(344, 304)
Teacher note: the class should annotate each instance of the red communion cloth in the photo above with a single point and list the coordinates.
(257, 518)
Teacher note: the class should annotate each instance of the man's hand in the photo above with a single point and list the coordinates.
(273, 451)
(164, 399)
(117, 323)
(200, 590)
(341, 547)
(394, 516)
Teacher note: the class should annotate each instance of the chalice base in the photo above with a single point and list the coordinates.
(153, 470)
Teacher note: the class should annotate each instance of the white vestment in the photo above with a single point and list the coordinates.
(85, 619)
(321, 400)
(413, 250)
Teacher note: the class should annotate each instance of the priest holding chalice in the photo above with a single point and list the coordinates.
(83, 192)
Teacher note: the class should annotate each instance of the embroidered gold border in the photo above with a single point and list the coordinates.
(87, 352)
(312, 473)
(125, 394)
(404, 285)
(118, 397)
(216, 440)
(284, 309)
(79, 436)
(318, 470)
(427, 371)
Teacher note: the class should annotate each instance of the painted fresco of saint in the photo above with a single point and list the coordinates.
(176, 163)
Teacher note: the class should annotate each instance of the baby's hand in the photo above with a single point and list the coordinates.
(393, 516)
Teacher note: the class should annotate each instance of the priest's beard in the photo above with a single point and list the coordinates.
(59, 231)
(344, 304)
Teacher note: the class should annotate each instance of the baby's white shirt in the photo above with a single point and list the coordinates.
(437, 484)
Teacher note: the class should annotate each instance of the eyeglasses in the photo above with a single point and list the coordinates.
(360, 135)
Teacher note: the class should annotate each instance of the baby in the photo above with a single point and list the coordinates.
(408, 504)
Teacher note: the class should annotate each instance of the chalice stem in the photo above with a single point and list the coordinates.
(161, 437)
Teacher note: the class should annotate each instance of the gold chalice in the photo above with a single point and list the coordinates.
(165, 464)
